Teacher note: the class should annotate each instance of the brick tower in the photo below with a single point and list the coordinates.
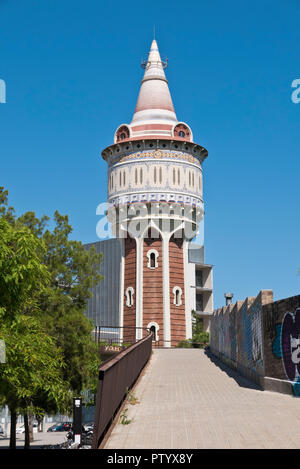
(155, 206)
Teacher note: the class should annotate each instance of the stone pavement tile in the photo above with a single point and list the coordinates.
(187, 401)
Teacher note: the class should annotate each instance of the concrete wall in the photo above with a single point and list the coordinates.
(261, 340)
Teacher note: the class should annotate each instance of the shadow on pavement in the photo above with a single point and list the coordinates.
(240, 380)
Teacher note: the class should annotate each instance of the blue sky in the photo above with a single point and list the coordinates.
(72, 71)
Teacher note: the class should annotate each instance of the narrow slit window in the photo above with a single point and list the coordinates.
(177, 292)
(152, 256)
(129, 296)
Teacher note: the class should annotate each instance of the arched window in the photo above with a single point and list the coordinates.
(152, 256)
(129, 296)
(181, 130)
(154, 328)
(122, 133)
(111, 181)
(177, 292)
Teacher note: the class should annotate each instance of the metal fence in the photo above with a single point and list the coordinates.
(116, 377)
(121, 336)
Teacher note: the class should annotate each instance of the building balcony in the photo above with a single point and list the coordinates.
(203, 313)
(200, 288)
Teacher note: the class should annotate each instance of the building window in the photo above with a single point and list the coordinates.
(152, 256)
(199, 302)
(182, 130)
(199, 278)
(154, 328)
(177, 292)
(122, 133)
(112, 182)
(129, 296)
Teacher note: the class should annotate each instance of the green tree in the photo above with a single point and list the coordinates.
(198, 335)
(33, 367)
(22, 274)
(31, 357)
(58, 302)
(73, 269)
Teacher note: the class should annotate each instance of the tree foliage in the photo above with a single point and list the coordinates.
(45, 281)
(22, 273)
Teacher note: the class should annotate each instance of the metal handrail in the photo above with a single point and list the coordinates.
(116, 376)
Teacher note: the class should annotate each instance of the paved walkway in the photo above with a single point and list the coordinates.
(187, 401)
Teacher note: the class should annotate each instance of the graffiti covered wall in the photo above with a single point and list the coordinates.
(236, 335)
(281, 323)
(261, 340)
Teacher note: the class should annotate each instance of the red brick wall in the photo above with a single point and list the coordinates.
(153, 287)
(177, 313)
(129, 314)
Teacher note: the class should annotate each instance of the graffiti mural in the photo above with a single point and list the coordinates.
(260, 338)
(286, 346)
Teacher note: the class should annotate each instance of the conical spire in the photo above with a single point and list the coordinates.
(154, 109)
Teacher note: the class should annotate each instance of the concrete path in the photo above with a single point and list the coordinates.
(188, 401)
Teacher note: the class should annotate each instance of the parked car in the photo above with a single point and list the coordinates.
(60, 427)
(21, 429)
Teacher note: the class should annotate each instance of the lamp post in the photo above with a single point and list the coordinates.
(77, 419)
